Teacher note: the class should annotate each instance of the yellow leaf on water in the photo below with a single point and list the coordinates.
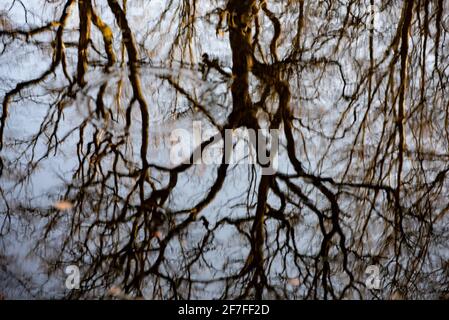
(63, 205)
(294, 282)
(115, 291)
(397, 295)
(158, 234)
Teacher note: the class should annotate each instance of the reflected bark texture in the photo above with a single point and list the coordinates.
(92, 89)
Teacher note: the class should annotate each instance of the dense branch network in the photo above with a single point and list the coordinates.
(364, 135)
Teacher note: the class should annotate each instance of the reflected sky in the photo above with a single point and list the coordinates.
(99, 97)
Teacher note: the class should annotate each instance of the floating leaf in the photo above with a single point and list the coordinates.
(115, 291)
(294, 282)
(63, 205)
(158, 234)
(397, 295)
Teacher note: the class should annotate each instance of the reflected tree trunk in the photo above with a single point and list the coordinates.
(97, 97)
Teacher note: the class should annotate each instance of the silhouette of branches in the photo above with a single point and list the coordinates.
(356, 90)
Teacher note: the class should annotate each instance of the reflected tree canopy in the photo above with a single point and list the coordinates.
(93, 90)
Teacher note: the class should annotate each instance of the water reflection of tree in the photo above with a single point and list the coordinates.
(375, 193)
